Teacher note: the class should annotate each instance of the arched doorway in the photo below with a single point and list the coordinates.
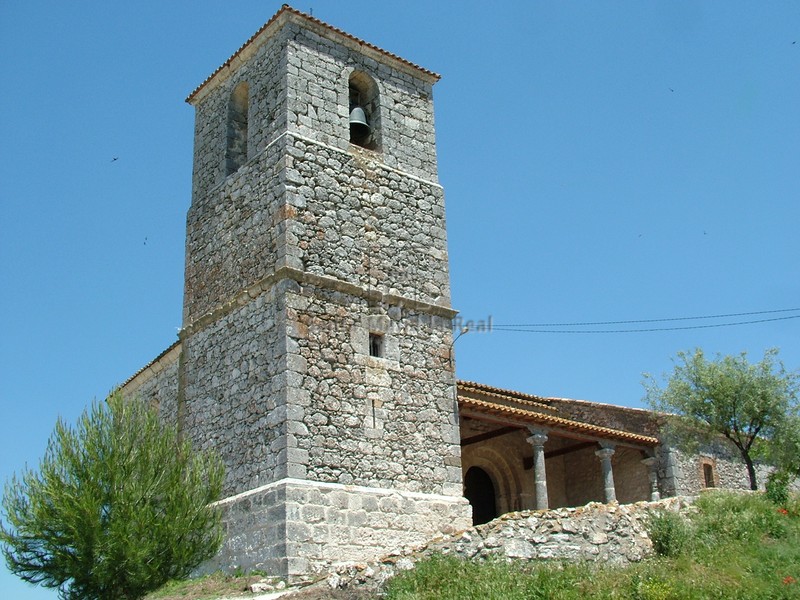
(479, 491)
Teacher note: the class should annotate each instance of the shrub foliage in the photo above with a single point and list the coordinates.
(670, 533)
(119, 505)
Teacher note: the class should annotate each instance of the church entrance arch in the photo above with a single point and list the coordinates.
(479, 491)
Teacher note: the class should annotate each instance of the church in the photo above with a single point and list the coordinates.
(316, 350)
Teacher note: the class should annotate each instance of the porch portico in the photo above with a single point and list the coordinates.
(518, 453)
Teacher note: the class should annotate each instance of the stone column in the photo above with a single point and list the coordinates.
(537, 439)
(605, 453)
(652, 473)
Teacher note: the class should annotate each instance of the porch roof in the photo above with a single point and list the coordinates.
(510, 406)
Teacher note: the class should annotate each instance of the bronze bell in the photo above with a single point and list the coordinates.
(359, 128)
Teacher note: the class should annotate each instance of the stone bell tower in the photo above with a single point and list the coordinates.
(315, 353)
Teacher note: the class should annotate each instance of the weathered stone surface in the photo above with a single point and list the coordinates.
(681, 473)
(319, 525)
(613, 534)
(297, 251)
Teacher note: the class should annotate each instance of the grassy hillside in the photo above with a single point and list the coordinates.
(731, 546)
(727, 546)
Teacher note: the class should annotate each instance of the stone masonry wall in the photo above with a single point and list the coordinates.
(295, 528)
(264, 74)
(631, 477)
(292, 261)
(615, 534)
(624, 418)
(681, 473)
(363, 223)
(318, 108)
(234, 393)
(298, 82)
(234, 233)
(277, 372)
(584, 479)
(381, 422)
(157, 384)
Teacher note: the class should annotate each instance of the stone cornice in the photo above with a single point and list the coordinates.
(353, 489)
(331, 283)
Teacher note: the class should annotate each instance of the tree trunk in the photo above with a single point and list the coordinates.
(751, 470)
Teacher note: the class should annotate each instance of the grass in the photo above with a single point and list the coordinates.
(733, 546)
(208, 587)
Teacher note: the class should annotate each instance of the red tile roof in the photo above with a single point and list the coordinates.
(287, 12)
(536, 411)
(150, 364)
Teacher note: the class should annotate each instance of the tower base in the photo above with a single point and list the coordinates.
(294, 528)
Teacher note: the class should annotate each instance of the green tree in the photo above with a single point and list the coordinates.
(747, 403)
(784, 448)
(120, 505)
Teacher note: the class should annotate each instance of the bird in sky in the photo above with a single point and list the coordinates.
(116, 158)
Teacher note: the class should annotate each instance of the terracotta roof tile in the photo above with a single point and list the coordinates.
(553, 421)
(485, 391)
(286, 9)
(150, 364)
(517, 396)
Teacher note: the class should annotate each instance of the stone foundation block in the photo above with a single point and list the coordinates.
(293, 528)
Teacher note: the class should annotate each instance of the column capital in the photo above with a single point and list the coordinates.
(538, 436)
(537, 439)
(605, 453)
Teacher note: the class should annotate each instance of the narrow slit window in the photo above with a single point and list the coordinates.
(708, 475)
(376, 345)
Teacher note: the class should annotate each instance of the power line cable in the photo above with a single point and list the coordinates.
(628, 322)
(523, 329)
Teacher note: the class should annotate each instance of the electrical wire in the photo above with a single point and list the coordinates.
(532, 328)
(589, 323)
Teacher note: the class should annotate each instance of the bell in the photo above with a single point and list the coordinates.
(359, 128)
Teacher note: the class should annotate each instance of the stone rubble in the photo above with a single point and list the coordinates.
(610, 533)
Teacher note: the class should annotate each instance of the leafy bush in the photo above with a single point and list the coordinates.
(793, 505)
(778, 487)
(669, 532)
(724, 516)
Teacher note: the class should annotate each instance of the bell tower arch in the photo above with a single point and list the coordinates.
(317, 318)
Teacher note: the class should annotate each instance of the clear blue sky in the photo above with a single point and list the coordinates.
(602, 161)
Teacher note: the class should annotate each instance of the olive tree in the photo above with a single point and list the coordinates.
(119, 505)
(748, 404)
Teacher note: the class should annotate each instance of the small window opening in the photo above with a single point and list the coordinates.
(376, 345)
(708, 475)
(236, 148)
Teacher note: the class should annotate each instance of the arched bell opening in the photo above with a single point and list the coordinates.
(364, 111)
(479, 491)
(236, 147)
